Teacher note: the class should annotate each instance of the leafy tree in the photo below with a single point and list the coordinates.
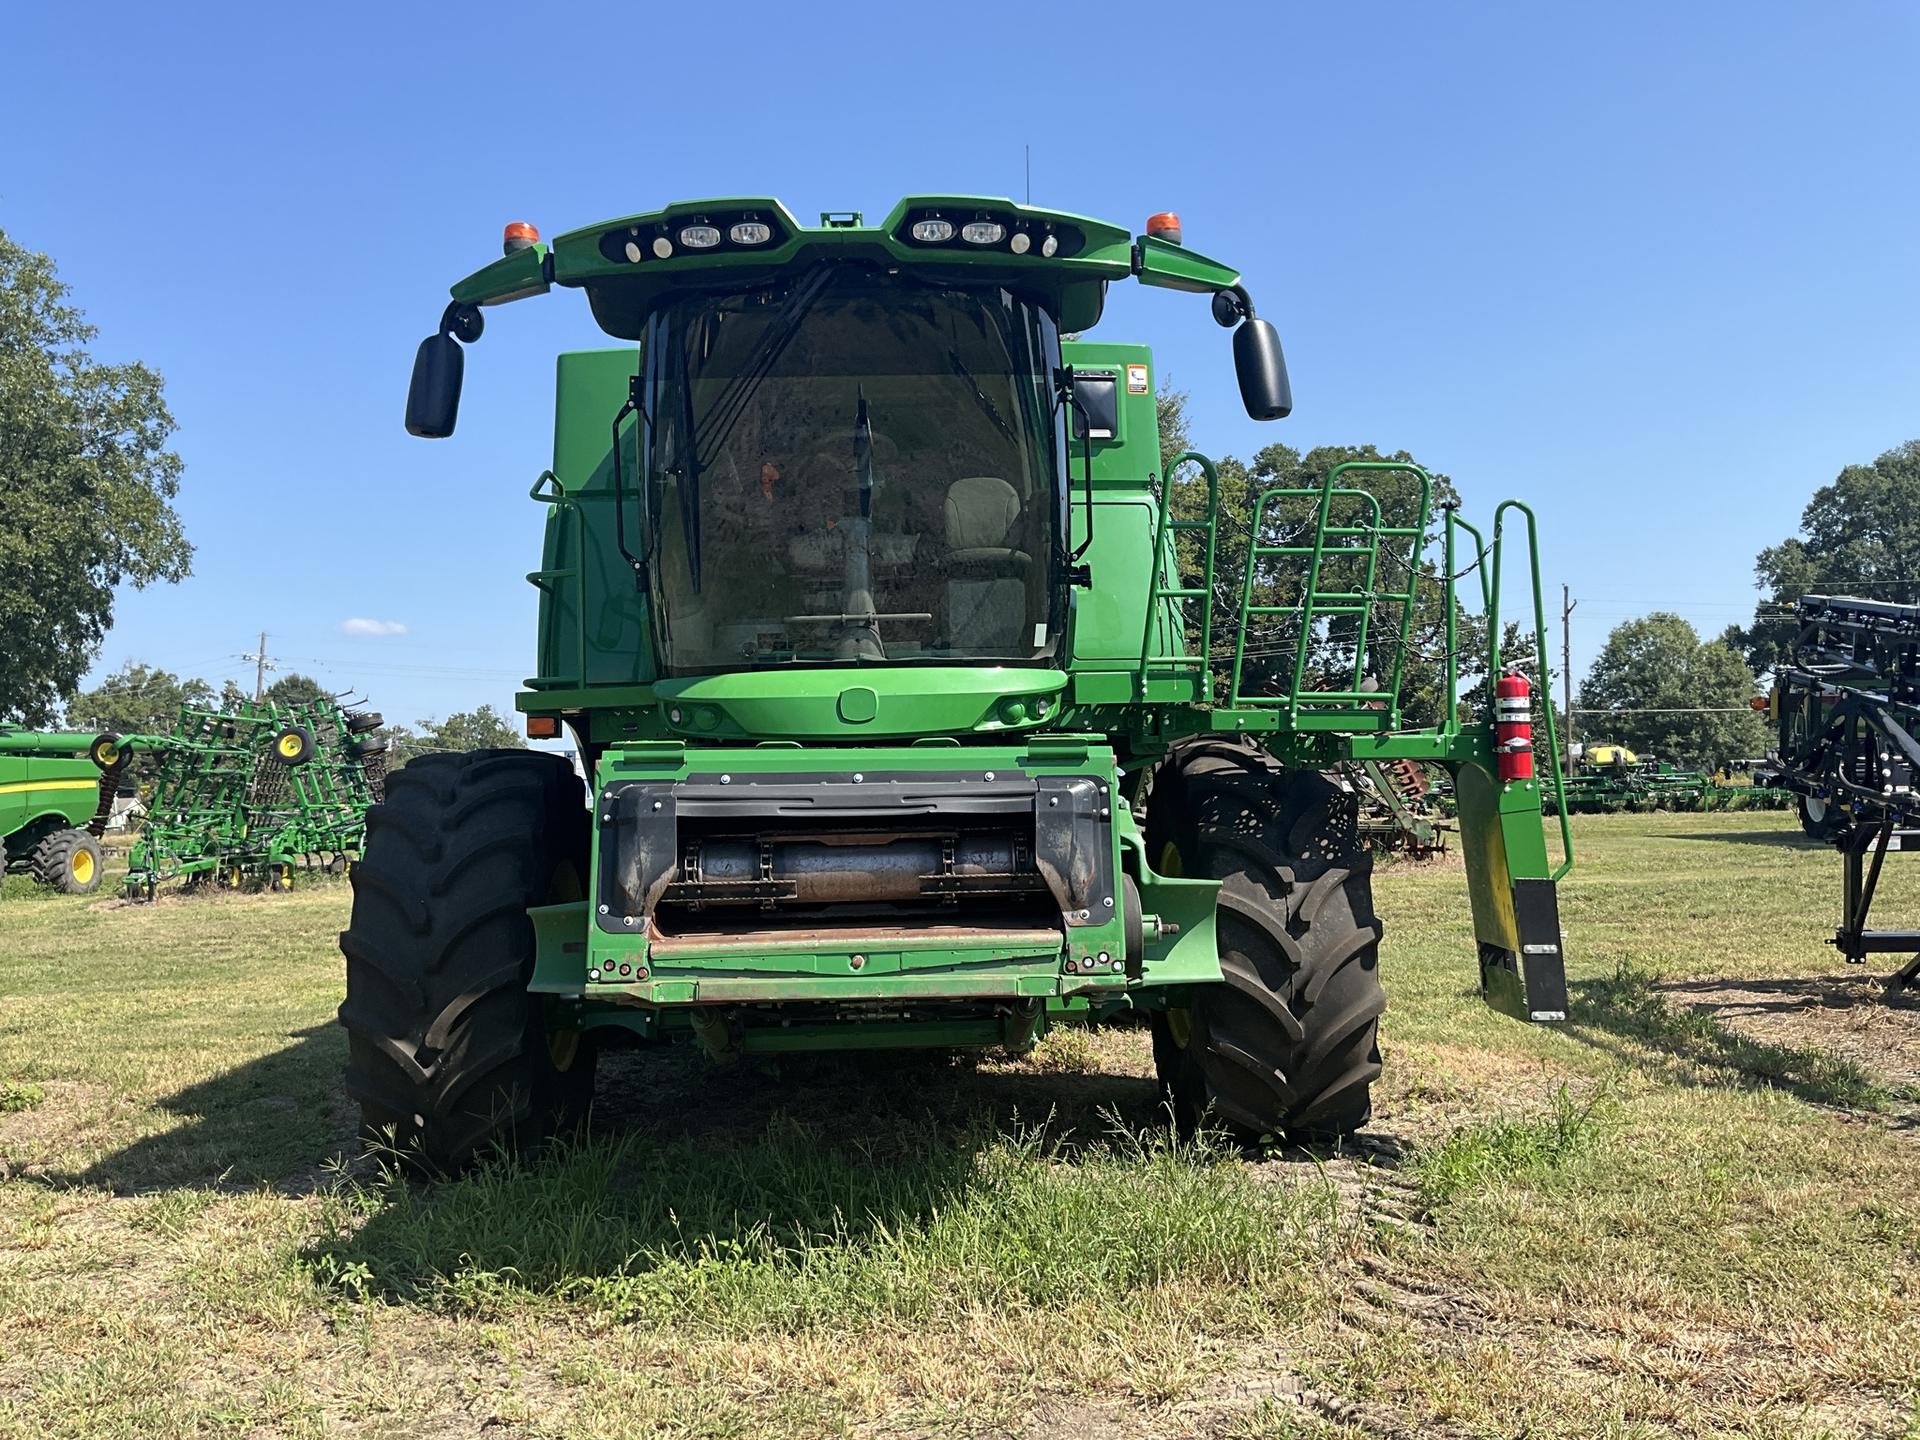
(137, 699)
(1660, 663)
(1858, 536)
(297, 689)
(1170, 409)
(86, 481)
(482, 729)
(232, 697)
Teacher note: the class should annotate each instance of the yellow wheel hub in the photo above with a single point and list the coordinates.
(564, 1047)
(82, 866)
(289, 745)
(1180, 1025)
(1170, 864)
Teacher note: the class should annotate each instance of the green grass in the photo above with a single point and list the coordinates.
(918, 1226)
(1511, 1149)
(1646, 1222)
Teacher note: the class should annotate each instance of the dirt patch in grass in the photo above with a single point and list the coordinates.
(63, 1111)
(1848, 1015)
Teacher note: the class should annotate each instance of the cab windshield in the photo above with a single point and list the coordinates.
(852, 467)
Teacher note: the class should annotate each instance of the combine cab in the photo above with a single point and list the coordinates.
(889, 645)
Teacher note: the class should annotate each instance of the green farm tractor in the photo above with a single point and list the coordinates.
(56, 792)
(889, 646)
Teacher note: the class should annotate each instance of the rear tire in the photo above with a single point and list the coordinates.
(447, 1053)
(1289, 1043)
(69, 861)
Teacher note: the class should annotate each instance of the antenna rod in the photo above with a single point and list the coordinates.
(1567, 606)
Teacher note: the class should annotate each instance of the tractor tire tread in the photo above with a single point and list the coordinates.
(1288, 1043)
(447, 1049)
(52, 861)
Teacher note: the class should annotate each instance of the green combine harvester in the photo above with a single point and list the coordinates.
(54, 804)
(889, 648)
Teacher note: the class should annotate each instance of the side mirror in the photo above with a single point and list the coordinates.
(1262, 370)
(1096, 405)
(433, 397)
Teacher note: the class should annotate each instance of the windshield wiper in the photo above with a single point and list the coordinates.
(731, 403)
(980, 396)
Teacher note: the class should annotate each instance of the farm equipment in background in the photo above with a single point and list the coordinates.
(1608, 778)
(1612, 777)
(1397, 809)
(890, 658)
(55, 799)
(250, 793)
(1846, 712)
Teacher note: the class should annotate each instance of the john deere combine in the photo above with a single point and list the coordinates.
(863, 595)
(54, 804)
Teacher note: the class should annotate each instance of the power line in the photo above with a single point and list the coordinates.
(1671, 710)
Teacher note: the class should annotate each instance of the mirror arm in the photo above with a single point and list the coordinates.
(1067, 397)
(463, 322)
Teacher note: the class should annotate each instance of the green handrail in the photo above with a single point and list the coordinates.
(1157, 592)
(1453, 607)
(557, 496)
(1539, 656)
(1314, 602)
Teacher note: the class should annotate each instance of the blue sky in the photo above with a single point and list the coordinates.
(1649, 267)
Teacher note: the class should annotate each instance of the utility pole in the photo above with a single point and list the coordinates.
(261, 664)
(1567, 604)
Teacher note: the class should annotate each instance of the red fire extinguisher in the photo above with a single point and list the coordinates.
(1513, 727)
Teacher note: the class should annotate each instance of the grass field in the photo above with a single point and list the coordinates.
(1690, 1211)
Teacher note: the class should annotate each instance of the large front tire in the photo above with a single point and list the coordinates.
(69, 861)
(1289, 1043)
(448, 1054)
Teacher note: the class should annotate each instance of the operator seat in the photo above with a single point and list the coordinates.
(986, 573)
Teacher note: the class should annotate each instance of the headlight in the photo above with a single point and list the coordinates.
(750, 232)
(983, 232)
(662, 246)
(1021, 242)
(699, 237)
(1049, 245)
(932, 232)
